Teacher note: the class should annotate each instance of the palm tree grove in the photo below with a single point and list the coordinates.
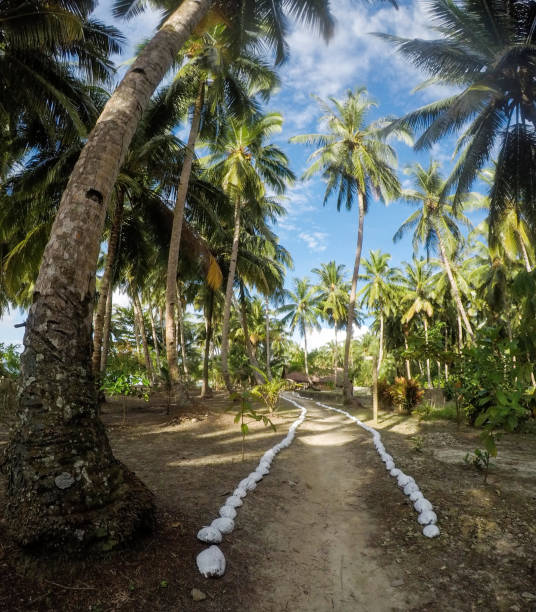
(267, 305)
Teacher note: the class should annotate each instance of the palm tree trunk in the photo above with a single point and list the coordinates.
(460, 332)
(105, 287)
(175, 241)
(524, 253)
(106, 333)
(247, 341)
(228, 299)
(453, 285)
(268, 370)
(347, 384)
(428, 375)
(305, 354)
(155, 339)
(136, 328)
(206, 391)
(138, 311)
(408, 365)
(180, 323)
(380, 352)
(335, 350)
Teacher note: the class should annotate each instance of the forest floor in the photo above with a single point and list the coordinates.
(327, 529)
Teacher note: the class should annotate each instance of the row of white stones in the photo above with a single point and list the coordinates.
(211, 561)
(427, 516)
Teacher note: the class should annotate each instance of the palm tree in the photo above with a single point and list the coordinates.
(333, 300)
(486, 52)
(242, 163)
(302, 312)
(378, 290)
(356, 161)
(418, 286)
(224, 78)
(434, 224)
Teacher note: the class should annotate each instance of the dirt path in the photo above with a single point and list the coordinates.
(316, 533)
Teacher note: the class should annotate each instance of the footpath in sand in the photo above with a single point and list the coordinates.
(311, 552)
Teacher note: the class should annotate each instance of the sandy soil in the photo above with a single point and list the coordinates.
(327, 529)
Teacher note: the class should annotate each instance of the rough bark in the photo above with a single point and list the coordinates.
(66, 491)
(155, 339)
(138, 312)
(268, 370)
(105, 285)
(175, 241)
(180, 325)
(106, 332)
(335, 351)
(453, 285)
(408, 366)
(250, 351)
(305, 354)
(206, 391)
(428, 375)
(347, 385)
(380, 352)
(228, 299)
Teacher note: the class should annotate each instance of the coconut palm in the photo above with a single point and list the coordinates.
(434, 224)
(417, 283)
(486, 52)
(333, 300)
(377, 292)
(224, 78)
(242, 163)
(356, 162)
(301, 312)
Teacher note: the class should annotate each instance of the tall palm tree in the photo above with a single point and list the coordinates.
(486, 51)
(418, 287)
(57, 380)
(333, 300)
(225, 79)
(378, 290)
(301, 312)
(243, 163)
(356, 162)
(434, 224)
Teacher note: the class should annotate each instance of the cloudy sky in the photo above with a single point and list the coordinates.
(314, 233)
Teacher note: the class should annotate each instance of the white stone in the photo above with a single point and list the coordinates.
(233, 501)
(422, 504)
(225, 525)
(431, 531)
(211, 562)
(239, 492)
(427, 517)
(210, 535)
(410, 488)
(416, 495)
(395, 472)
(228, 512)
(255, 476)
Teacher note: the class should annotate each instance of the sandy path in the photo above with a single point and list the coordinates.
(311, 552)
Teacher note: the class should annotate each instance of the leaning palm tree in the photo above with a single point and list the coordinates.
(378, 290)
(333, 300)
(301, 312)
(418, 286)
(434, 224)
(356, 162)
(486, 52)
(110, 505)
(243, 163)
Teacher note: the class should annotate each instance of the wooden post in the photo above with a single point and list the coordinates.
(375, 389)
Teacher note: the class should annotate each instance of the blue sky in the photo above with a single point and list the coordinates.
(311, 232)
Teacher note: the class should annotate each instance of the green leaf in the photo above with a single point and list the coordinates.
(244, 429)
(237, 417)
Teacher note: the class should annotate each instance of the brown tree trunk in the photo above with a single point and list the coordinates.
(347, 384)
(335, 350)
(155, 339)
(380, 352)
(180, 324)
(453, 285)
(175, 241)
(305, 354)
(408, 365)
(228, 300)
(106, 332)
(268, 370)
(206, 391)
(428, 375)
(136, 328)
(138, 312)
(66, 491)
(105, 287)
(247, 341)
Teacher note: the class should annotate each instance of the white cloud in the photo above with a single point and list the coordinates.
(316, 241)
(321, 337)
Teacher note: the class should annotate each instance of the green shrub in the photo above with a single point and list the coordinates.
(406, 394)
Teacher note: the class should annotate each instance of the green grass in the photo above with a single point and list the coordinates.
(428, 412)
